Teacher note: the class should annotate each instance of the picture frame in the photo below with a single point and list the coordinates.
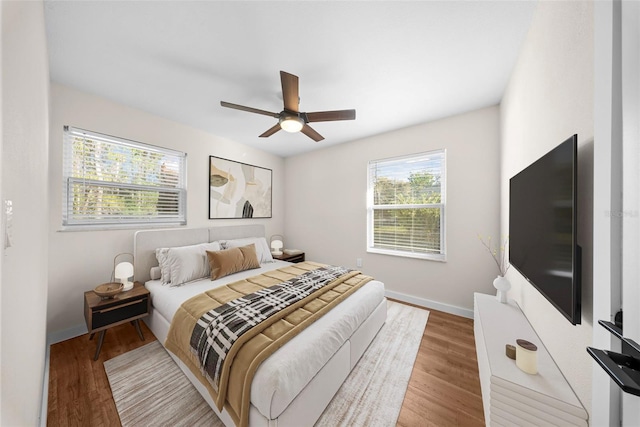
(239, 190)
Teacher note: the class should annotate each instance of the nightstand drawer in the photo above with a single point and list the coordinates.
(296, 258)
(117, 313)
(299, 257)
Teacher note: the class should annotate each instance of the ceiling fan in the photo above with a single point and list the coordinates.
(291, 119)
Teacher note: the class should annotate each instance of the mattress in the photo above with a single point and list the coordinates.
(281, 377)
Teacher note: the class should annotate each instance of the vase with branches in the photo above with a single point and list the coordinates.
(499, 254)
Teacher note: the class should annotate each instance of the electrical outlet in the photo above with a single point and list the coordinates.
(359, 262)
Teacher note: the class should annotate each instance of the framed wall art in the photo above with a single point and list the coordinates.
(238, 190)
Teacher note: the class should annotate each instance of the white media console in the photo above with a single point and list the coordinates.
(510, 396)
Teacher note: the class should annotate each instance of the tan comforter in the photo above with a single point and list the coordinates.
(260, 342)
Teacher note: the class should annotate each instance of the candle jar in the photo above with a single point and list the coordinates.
(527, 356)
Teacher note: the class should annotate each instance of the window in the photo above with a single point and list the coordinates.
(405, 206)
(113, 181)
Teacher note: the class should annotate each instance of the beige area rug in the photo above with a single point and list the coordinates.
(149, 388)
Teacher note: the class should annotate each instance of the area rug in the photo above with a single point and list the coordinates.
(149, 389)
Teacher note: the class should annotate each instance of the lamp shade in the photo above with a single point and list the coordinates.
(276, 247)
(276, 244)
(122, 271)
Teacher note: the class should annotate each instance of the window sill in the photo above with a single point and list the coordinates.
(427, 257)
(111, 227)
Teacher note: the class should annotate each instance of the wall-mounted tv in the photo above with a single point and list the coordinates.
(543, 227)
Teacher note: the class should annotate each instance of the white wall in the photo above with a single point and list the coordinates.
(81, 260)
(548, 99)
(325, 213)
(607, 177)
(630, 73)
(25, 106)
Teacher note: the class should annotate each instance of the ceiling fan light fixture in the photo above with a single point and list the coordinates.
(291, 123)
(291, 119)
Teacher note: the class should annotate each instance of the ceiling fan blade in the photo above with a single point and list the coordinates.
(249, 109)
(308, 130)
(329, 116)
(271, 131)
(290, 93)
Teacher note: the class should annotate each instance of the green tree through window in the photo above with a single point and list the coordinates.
(406, 205)
(109, 180)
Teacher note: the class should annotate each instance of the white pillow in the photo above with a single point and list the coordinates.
(165, 273)
(184, 264)
(263, 252)
(155, 273)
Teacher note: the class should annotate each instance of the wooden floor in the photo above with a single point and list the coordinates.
(444, 389)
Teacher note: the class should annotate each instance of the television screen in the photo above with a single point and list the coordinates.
(542, 227)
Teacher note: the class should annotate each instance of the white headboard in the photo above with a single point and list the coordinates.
(145, 242)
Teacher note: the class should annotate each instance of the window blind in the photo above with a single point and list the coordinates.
(109, 181)
(406, 204)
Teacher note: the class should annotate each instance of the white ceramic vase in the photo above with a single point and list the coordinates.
(503, 285)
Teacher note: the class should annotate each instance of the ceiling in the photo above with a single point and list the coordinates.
(397, 63)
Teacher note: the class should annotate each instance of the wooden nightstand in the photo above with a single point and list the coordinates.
(290, 258)
(102, 314)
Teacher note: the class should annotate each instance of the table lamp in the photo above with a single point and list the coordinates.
(122, 272)
(276, 244)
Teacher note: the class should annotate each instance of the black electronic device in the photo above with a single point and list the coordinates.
(543, 243)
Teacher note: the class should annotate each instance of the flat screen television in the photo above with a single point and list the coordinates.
(543, 227)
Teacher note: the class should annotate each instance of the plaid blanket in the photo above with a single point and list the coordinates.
(218, 329)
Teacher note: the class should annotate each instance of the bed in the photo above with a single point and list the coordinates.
(293, 386)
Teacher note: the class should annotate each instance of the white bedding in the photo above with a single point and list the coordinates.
(282, 376)
(167, 299)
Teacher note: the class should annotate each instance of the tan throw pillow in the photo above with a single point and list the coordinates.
(233, 260)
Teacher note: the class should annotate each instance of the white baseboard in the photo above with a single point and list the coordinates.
(44, 402)
(67, 334)
(435, 305)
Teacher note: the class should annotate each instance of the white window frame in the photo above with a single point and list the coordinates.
(69, 222)
(442, 256)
